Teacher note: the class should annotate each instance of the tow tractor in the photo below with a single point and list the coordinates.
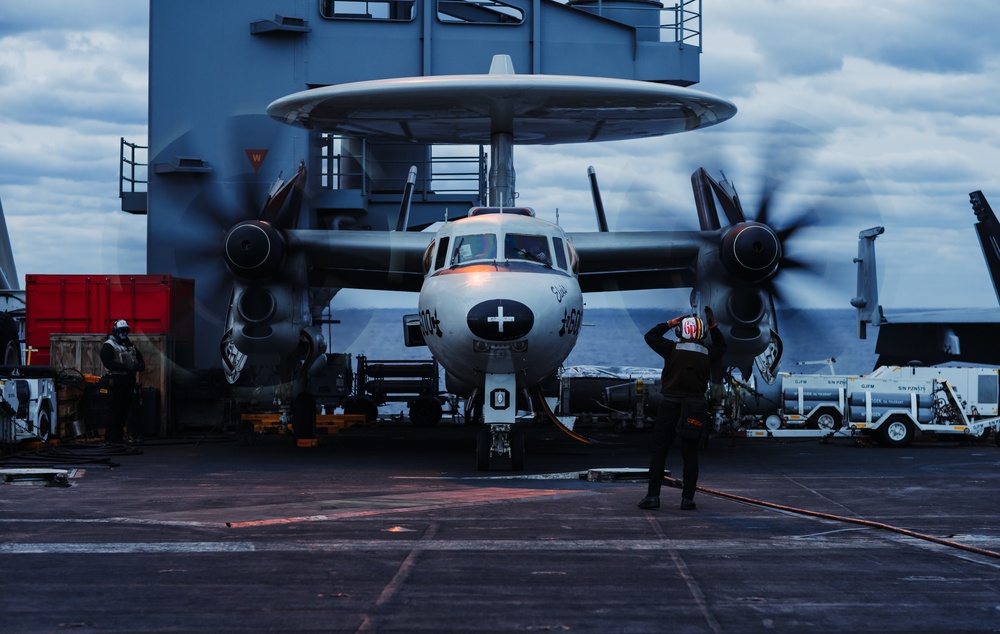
(28, 403)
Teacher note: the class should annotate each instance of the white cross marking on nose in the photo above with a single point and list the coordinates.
(499, 319)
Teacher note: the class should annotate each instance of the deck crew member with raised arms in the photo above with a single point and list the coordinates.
(684, 382)
(122, 360)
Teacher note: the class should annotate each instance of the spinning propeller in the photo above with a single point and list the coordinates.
(773, 251)
(251, 289)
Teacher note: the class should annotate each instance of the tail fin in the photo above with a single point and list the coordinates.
(8, 273)
(988, 230)
(866, 301)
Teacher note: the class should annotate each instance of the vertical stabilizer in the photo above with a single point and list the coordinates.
(988, 230)
(8, 273)
(866, 300)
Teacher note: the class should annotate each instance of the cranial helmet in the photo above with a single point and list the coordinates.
(120, 328)
(691, 328)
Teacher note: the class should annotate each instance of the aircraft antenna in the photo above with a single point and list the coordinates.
(595, 192)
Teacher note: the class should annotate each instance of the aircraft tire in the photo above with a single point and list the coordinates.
(362, 405)
(304, 416)
(516, 449)
(483, 441)
(425, 411)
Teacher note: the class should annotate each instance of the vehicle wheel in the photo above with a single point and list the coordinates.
(516, 449)
(896, 432)
(44, 429)
(483, 441)
(10, 347)
(362, 405)
(827, 420)
(304, 416)
(425, 411)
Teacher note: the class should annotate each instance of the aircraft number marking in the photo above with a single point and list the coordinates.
(571, 322)
(559, 291)
(429, 323)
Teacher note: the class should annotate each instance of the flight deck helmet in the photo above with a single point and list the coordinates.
(691, 329)
(120, 330)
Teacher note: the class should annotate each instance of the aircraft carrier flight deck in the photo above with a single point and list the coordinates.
(393, 529)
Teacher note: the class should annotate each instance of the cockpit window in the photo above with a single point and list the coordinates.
(519, 246)
(480, 246)
(442, 253)
(557, 244)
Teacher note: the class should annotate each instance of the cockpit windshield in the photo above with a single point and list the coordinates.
(519, 246)
(479, 246)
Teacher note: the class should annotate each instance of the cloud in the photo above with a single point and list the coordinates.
(897, 99)
(72, 83)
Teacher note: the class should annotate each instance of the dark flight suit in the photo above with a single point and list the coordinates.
(686, 373)
(122, 360)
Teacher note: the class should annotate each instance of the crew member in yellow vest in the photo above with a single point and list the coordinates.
(122, 360)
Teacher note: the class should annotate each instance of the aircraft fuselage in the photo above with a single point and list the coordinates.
(500, 297)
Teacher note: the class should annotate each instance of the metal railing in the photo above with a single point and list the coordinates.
(448, 171)
(679, 23)
(131, 171)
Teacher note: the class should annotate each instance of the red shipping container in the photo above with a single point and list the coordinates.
(82, 304)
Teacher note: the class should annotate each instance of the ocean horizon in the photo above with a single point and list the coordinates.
(613, 336)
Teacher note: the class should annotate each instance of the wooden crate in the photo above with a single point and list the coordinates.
(83, 353)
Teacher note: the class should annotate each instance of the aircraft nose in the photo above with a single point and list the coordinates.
(500, 320)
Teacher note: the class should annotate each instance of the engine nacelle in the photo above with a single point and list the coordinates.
(269, 317)
(750, 251)
(254, 250)
(742, 309)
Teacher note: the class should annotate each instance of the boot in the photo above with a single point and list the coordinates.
(650, 502)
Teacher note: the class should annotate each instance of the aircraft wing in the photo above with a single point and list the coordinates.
(375, 260)
(933, 337)
(393, 260)
(634, 260)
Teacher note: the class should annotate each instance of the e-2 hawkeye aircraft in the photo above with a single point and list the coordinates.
(501, 291)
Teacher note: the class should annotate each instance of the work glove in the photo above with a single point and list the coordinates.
(676, 321)
(710, 317)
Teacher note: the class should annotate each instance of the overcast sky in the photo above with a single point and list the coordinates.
(895, 102)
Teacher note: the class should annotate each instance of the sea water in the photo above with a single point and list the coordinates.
(614, 337)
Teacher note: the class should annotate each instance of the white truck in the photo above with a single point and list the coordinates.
(893, 403)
